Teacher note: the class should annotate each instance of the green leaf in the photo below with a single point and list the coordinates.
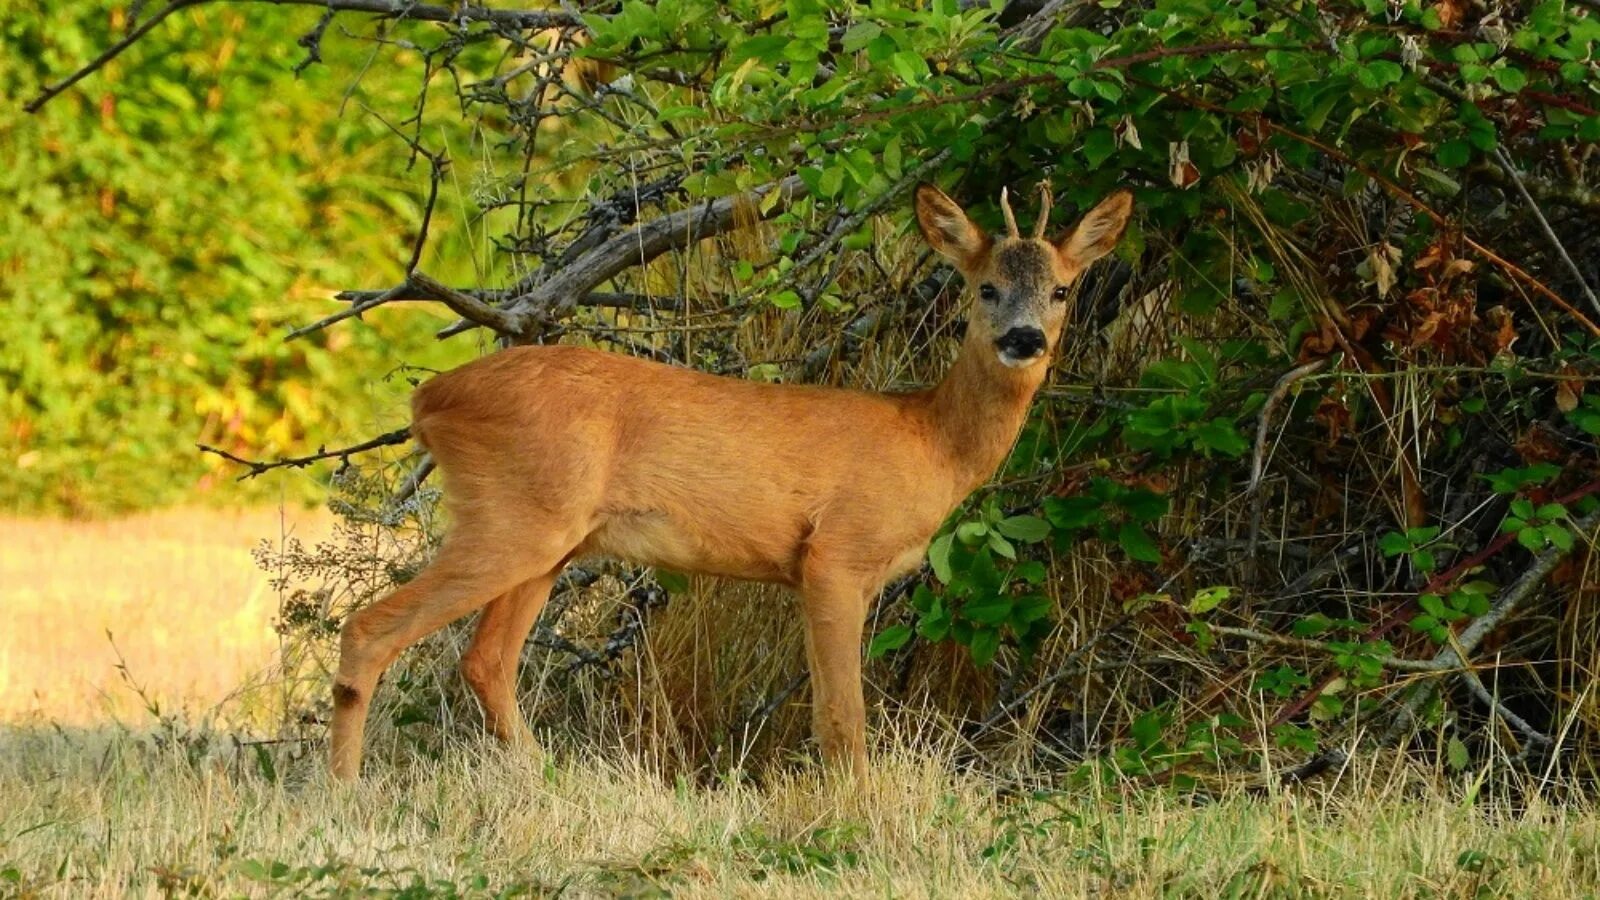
(911, 68)
(892, 638)
(1393, 543)
(1099, 145)
(939, 556)
(1453, 154)
(1027, 529)
(1207, 599)
(972, 532)
(1558, 536)
(990, 610)
(1511, 79)
(1531, 538)
(1137, 543)
(675, 583)
(1030, 608)
(1456, 755)
(984, 645)
(935, 627)
(1032, 571)
(1002, 546)
(859, 35)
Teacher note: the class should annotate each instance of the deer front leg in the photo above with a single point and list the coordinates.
(490, 663)
(835, 614)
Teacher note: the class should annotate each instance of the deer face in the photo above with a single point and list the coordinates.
(1022, 282)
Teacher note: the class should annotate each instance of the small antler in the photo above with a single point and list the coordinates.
(1011, 217)
(1044, 210)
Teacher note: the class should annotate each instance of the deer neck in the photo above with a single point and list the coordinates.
(978, 410)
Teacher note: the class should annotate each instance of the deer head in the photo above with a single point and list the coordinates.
(1022, 282)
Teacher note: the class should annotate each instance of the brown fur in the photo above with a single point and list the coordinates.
(549, 453)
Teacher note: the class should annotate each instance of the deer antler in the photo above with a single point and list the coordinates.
(1011, 217)
(1044, 210)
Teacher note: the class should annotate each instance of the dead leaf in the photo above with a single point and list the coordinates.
(1568, 389)
(1184, 174)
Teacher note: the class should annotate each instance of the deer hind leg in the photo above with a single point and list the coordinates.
(490, 663)
(458, 581)
(835, 616)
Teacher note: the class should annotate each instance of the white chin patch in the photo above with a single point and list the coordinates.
(1017, 362)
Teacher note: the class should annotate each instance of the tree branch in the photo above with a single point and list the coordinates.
(343, 454)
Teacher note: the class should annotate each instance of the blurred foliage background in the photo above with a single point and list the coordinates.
(165, 226)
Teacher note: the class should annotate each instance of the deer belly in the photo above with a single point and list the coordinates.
(655, 539)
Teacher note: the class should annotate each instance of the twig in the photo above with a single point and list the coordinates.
(343, 454)
(1279, 391)
(1544, 224)
(1262, 637)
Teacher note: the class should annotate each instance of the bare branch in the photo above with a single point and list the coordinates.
(470, 307)
(343, 454)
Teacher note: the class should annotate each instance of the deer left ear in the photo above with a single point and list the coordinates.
(1098, 232)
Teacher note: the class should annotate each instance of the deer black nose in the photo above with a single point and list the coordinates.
(1021, 343)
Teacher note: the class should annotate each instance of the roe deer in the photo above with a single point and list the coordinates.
(553, 452)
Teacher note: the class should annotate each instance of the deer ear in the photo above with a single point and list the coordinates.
(1099, 231)
(946, 227)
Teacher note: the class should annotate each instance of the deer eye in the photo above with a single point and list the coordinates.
(987, 292)
(1059, 294)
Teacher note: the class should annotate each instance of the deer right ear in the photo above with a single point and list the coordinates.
(947, 228)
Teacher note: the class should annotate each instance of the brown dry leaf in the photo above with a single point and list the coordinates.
(1381, 262)
(1568, 389)
(1502, 329)
(1450, 12)
(1540, 444)
(1334, 416)
(1320, 343)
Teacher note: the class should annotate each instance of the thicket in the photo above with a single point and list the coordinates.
(1317, 466)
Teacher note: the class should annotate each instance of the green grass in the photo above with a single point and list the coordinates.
(107, 814)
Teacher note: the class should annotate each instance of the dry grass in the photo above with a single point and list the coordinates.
(178, 592)
(102, 811)
(96, 816)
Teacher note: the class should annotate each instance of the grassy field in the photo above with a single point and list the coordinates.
(176, 594)
(91, 806)
(90, 816)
